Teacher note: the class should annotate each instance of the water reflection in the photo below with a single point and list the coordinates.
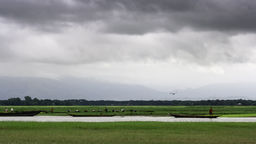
(121, 119)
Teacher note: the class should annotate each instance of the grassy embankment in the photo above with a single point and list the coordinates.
(127, 133)
(227, 111)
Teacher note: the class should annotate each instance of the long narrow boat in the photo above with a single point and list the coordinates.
(82, 115)
(193, 116)
(23, 113)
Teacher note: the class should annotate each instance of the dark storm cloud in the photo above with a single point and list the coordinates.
(134, 16)
(111, 30)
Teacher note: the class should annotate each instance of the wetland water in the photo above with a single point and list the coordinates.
(122, 119)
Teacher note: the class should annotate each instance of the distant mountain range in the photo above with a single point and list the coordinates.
(219, 91)
(74, 88)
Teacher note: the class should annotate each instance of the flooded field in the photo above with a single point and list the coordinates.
(123, 119)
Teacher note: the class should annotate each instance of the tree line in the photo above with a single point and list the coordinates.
(48, 102)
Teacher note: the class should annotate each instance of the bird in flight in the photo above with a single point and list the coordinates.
(172, 93)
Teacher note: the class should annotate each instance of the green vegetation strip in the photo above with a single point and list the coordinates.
(127, 133)
(239, 115)
(227, 111)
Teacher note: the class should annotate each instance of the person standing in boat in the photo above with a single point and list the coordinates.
(210, 111)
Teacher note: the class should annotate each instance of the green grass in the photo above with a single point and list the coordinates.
(127, 133)
(141, 110)
(239, 115)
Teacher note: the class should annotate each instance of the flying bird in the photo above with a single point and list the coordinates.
(172, 93)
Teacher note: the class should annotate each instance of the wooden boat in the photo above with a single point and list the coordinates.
(82, 115)
(23, 113)
(193, 116)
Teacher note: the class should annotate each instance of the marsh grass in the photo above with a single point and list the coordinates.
(140, 110)
(240, 115)
(127, 133)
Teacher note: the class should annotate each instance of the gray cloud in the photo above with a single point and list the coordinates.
(163, 43)
(200, 31)
(134, 16)
(80, 46)
(5, 53)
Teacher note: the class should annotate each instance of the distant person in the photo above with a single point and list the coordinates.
(12, 110)
(210, 111)
(6, 110)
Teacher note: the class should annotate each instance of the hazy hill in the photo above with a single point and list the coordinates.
(219, 91)
(73, 88)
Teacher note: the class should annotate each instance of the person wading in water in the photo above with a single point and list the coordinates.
(210, 111)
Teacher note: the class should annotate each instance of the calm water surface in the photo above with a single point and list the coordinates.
(121, 119)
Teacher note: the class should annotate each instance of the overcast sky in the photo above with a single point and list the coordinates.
(162, 44)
